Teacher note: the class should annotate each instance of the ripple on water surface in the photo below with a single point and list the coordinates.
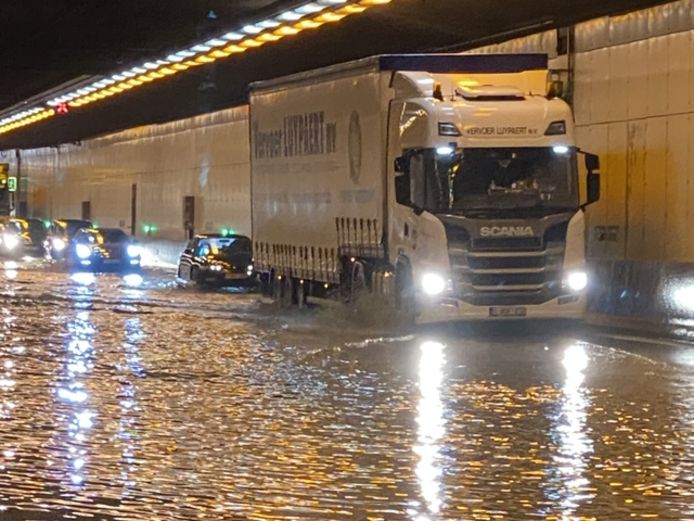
(156, 403)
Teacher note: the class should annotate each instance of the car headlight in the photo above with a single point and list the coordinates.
(11, 241)
(216, 267)
(83, 251)
(58, 244)
(433, 284)
(134, 250)
(577, 280)
(249, 269)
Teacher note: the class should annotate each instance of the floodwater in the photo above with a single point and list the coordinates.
(158, 403)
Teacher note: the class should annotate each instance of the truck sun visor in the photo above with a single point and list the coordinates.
(556, 128)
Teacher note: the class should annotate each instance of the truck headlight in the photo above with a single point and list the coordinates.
(83, 251)
(58, 244)
(134, 250)
(433, 284)
(216, 267)
(577, 280)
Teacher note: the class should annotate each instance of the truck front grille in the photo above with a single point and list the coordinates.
(507, 243)
(507, 271)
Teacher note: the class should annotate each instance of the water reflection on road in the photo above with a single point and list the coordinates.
(430, 428)
(574, 445)
(151, 402)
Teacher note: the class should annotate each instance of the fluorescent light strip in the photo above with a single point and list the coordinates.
(308, 16)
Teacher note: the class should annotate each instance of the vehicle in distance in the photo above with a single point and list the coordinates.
(61, 234)
(23, 237)
(105, 249)
(217, 260)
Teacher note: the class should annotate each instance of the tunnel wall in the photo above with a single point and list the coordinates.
(633, 97)
(191, 157)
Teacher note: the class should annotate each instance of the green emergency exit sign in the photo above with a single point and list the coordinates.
(12, 184)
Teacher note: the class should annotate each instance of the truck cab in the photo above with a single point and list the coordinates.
(486, 207)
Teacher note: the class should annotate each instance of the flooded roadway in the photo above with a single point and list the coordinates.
(153, 403)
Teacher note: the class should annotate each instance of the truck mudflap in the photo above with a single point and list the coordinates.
(571, 307)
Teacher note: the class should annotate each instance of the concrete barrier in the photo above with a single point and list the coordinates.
(652, 296)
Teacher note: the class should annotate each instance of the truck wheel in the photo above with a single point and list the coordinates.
(404, 291)
(194, 276)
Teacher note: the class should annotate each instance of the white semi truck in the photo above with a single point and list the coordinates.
(447, 182)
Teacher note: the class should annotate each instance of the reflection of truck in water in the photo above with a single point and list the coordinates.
(449, 182)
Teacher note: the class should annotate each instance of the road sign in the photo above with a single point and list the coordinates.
(12, 184)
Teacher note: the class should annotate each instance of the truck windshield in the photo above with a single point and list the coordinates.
(484, 179)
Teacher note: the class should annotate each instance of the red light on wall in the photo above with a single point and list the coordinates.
(62, 108)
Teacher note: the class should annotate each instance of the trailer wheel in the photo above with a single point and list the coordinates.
(286, 291)
(359, 285)
(301, 287)
(281, 289)
(265, 284)
(274, 287)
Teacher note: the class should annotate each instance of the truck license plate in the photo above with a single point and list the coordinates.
(496, 311)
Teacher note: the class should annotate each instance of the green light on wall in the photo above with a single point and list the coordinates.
(149, 229)
(226, 232)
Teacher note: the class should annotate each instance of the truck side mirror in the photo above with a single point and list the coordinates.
(400, 164)
(593, 187)
(402, 189)
(555, 89)
(592, 163)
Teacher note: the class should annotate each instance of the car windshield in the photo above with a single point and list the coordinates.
(113, 235)
(225, 247)
(71, 227)
(17, 226)
(36, 227)
(491, 179)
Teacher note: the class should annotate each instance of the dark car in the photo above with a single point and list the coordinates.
(217, 260)
(61, 234)
(23, 237)
(105, 249)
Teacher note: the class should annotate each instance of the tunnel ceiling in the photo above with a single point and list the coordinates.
(46, 43)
